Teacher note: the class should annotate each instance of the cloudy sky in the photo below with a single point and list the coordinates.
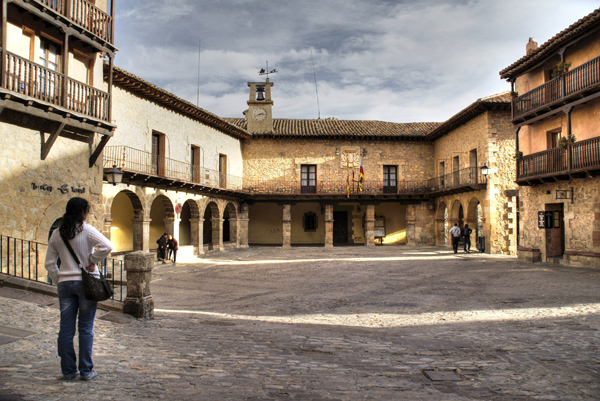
(390, 60)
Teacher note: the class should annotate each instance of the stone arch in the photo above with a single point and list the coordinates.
(212, 226)
(126, 221)
(188, 224)
(457, 214)
(442, 225)
(474, 215)
(230, 227)
(162, 218)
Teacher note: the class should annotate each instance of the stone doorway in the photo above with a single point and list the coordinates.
(340, 227)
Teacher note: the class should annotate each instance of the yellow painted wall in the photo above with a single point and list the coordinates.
(157, 225)
(395, 222)
(121, 228)
(299, 236)
(265, 225)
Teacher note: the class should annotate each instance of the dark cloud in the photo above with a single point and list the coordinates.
(379, 59)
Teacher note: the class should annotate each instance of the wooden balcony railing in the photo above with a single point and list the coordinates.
(577, 80)
(140, 162)
(289, 183)
(34, 80)
(84, 14)
(578, 157)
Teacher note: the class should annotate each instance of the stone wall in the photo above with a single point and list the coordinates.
(581, 219)
(270, 159)
(31, 189)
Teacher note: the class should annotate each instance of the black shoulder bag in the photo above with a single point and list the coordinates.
(94, 289)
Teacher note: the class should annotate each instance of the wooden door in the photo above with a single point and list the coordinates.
(340, 227)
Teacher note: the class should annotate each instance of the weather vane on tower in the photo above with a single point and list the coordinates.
(266, 71)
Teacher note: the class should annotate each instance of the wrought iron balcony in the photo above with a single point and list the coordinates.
(35, 81)
(579, 159)
(84, 14)
(288, 183)
(573, 85)
(146, 169)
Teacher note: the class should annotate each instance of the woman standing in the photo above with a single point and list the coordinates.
(91, 247)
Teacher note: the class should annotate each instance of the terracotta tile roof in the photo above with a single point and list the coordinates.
(500, 101)
(580, 27)
(334, 128)
(131, 83)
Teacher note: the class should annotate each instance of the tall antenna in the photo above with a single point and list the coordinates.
(316, 88)
(198, 95)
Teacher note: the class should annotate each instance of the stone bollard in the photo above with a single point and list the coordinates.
(139, 302)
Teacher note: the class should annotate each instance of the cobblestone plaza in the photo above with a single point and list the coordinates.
(345, 323)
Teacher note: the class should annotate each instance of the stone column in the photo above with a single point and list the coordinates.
(139, 302)
(243, 228)
(170, 225)
(328, 226)
(287, 226)
(106, 227)
(233, 231)
(197, 236)
(141, 234)
(370, 226)
(217, 230)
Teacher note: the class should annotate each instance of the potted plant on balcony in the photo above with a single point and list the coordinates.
(518, 155)
(560, 69)
(514, 94)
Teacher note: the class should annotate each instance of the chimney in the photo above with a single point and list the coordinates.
(531, 46)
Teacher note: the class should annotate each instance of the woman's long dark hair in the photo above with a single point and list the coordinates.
(72, 221)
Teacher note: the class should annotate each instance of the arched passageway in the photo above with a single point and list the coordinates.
(126, 213)
(230, 232)
(211, 226)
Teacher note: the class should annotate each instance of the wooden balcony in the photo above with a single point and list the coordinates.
(580, 82)
(578, 160)
(81, 12)
(33, 81)
(148, 170)
(289, 186)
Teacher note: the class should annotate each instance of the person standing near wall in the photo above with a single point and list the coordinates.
(91, 247)
(162, 247)
(466, 233)
(455, 234)
(172, 246)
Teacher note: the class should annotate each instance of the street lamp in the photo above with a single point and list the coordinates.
(114, 175)
(485, 170)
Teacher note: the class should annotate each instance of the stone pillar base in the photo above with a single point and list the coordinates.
(141, 308)
(529, 254)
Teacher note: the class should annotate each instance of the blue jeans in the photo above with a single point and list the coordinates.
(72, 301)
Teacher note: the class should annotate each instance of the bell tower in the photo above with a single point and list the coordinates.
(259, 115)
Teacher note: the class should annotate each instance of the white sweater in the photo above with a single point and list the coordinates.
(89, 245)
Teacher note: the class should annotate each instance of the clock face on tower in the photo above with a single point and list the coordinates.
(259, 114)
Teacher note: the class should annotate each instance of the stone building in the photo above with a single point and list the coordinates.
(302, 177)
(558, 147)
(182, 172)
(55, 113)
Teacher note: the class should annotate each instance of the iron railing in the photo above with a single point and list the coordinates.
(25, 259)
(576, 80)
(138, 161)
(289, 182)
(578, 156)
(34, 80)
(84, 14)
